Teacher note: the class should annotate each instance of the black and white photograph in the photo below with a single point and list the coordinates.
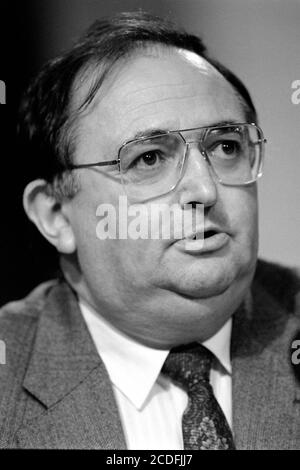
(150, 236)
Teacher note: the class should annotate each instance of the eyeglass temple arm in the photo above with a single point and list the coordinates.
(88, 165)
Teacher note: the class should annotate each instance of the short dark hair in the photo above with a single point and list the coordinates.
(46, 122)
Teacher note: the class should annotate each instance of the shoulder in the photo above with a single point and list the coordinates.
(18, 323)
(280, 283)
(21, 324)
(269, 319)
(26, 310)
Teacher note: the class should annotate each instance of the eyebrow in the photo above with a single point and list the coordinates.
(153, 132)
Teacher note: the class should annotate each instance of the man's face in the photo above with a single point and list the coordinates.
(156, 290)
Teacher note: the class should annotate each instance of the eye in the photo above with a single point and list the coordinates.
(229, 147)
(226, 148)
(149, 159)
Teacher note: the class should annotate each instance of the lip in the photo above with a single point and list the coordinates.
(203, 245)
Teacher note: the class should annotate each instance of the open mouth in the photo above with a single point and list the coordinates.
(210, 233)
(207, 234)
(204, 242)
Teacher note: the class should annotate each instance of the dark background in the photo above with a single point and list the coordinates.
(258, 39)
(25, 258)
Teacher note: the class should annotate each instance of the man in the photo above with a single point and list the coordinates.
(102, 358)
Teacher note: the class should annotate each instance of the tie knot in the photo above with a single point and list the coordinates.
(188, 365)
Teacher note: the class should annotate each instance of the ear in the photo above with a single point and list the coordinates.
(48, 215)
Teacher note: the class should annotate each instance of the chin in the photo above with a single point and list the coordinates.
(199, 288)
(210, 277)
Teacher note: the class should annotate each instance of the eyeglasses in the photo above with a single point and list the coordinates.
(152, 166)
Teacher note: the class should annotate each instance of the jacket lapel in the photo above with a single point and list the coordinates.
(68, 379)
(265, 409)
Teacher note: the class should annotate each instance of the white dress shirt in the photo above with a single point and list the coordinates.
(150, 405)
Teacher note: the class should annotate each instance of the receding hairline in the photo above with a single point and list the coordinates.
(93, 72)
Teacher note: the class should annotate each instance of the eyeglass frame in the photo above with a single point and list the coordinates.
(261, 141)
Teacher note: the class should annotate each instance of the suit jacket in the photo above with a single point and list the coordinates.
(55, 391)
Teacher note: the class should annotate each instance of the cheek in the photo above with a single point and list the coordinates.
(242, 210)
(141, 257)
(127, 261)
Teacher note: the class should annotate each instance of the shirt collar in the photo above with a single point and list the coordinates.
(219, 345)
(133, 368)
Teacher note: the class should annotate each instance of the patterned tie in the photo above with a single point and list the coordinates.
(204, 425)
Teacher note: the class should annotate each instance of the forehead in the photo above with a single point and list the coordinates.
(157, 88)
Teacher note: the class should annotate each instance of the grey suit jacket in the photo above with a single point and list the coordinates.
(55, 391)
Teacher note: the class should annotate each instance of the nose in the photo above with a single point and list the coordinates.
(197, 183)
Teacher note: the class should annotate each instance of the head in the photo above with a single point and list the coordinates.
(124, 78)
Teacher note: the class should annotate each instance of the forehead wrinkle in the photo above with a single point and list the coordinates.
(162, 100)
(154, 116)
(135, 93)
(135, 125)
(159, 85)
(138, 107)
(131, 101)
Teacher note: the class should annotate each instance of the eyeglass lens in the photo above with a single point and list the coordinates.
(152, 166)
